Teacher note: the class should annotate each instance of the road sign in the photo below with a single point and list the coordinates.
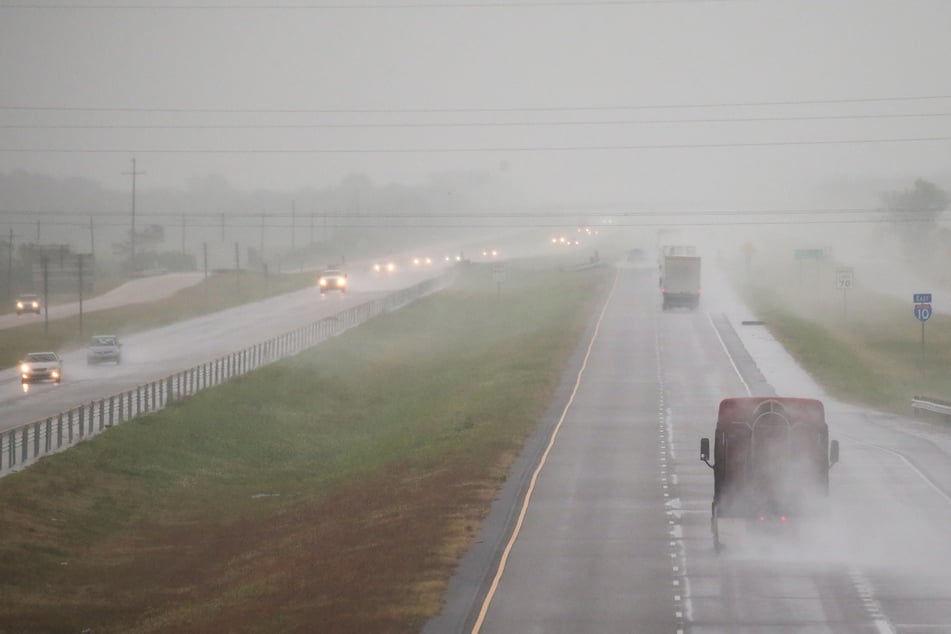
(809, 254)
(922, 298)
(843, 278)
(923, 312)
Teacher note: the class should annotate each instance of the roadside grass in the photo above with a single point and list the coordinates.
(864, 348)
(330, 492)
(216, 293)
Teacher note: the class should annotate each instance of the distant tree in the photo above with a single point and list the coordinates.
(146, 243)
(914, 213)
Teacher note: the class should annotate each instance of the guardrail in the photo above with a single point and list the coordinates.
(925, 406)
(24, 445)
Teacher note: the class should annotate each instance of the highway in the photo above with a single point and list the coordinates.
(604, 524)
(153, 354)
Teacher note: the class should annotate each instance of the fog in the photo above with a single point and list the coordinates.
(639, 104)
(320, 132)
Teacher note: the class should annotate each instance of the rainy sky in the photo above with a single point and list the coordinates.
(723, 101)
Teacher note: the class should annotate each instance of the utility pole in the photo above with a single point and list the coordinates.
(183, 234)
(293, 226)
(133, 173)
(92, 238)
(80, 255)
(45, 259)
(261, 247)
(10, 267)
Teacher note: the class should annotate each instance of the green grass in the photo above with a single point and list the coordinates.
(864, 349)
(331, 492)
(216, 293)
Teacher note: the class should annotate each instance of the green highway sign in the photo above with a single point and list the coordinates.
(809, 254)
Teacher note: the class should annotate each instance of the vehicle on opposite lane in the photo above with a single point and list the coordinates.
(333, 280)
(104, 348)
(41, 366)
(28, 303)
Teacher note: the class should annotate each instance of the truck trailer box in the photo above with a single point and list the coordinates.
(680, 284)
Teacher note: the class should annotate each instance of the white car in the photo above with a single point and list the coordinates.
(41, 366)
(104, 348)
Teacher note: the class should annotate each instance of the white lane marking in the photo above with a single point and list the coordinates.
(729, 356)
(921, 474)
(867, 593)
(541, 463)
(678, 555)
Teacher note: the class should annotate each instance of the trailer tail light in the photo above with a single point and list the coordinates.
(782, 518)
(762, 518)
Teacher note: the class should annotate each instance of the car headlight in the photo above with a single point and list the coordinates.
(19, 304)
(341, 282)
(36, 304)
(377, 268)
(323, 281)
(55, 374)
(25, 369)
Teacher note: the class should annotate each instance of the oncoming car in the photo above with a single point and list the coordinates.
(28, 303)
(104, 348)
(41, 366)
(333, 280)
(385, 267)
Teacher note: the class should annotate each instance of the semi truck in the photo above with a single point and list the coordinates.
(772, 459)
(680, 281)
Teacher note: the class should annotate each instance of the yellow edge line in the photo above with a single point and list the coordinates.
(541, 464)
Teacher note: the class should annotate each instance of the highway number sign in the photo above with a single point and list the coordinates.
(843, 279)
(923, 312)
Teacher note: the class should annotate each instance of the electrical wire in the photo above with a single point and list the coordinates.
(594, 107)
(479, 124)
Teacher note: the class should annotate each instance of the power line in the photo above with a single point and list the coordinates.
(595, 107)
(573, 212)
(471, 150)
(480, 124)
(529, 4)
(543, 225)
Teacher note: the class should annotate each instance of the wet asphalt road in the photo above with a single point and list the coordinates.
(615, 533)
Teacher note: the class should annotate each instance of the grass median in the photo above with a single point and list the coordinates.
(330, 492)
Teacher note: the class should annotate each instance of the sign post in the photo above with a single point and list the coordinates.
(807, 254)
(844, 280)
(922, 313)
(498, 274)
